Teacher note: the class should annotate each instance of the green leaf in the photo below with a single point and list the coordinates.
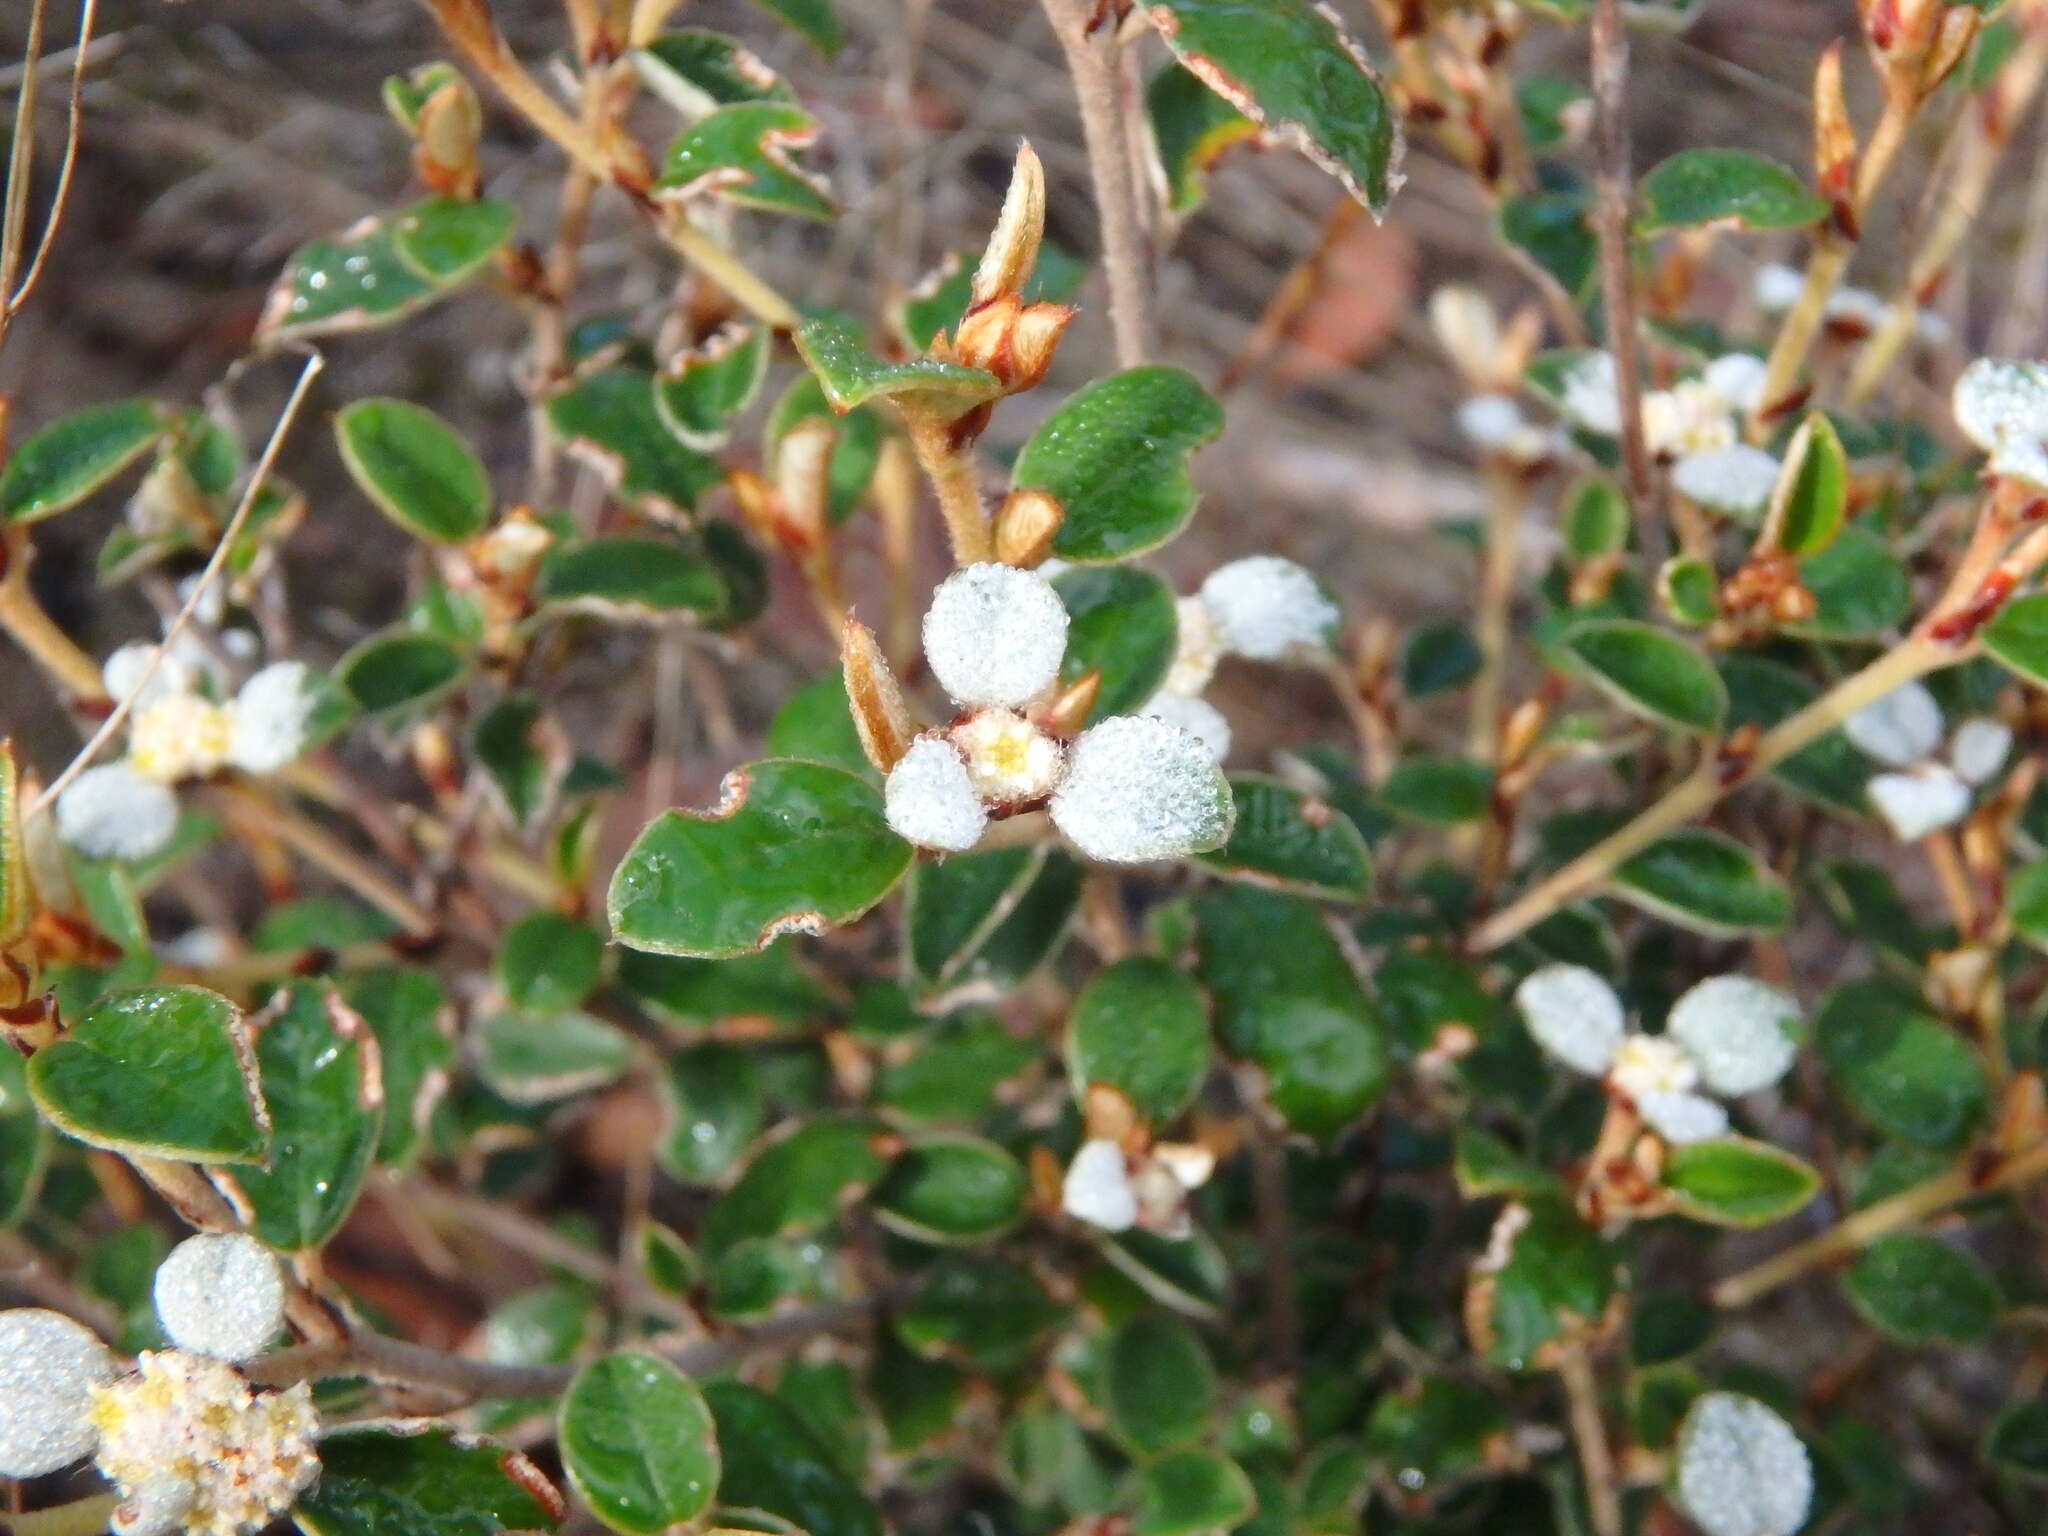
(1648, 670)
(1706, 882)
(638, 1443)
(1859, 587)
(423, 1479)
(1159, 1386)
(989, 1312)
(446, 240)
(1191, 1491)
(1552, 229)
(513, 748)
(1485, 1165)
(773, 1463)
(742, 153)
(1559, 1273)
(416, 468)
(816, 723)
(1290, 841)
(609, 420)
(323, 1085)
(850, 374)
(546, 960)
(1900, 1068)
(408, 1013)
(690, 993)
(1288, 66)
(2018, 636)
(951, 1189)
(1142, 1027)
(399, 669)
(24, 1142)
(1812, 495)
(1667, 1326)
(1732, 1181)
(1920, 1290)
(1689, 591)
(1438, 791)
(626, 576)
(61, 464)
(381, 271)
(1437, 1433)
(1191, 128)
(701, 392)
(1762, 692)
(1596, 520)
(1114, 455)
(942, 297)
(797, 1182)
(2019, 1440)
(993, 915)
(105, 1080)
(1702, 186)
(1122, 624)
(1188, 1274)
(817, 23)
(1438, 657)
(714, 1105)
(696, 70)
(954, 1071)
(536, 1058)
(794, 845)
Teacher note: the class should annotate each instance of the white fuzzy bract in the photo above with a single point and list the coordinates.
(1741, 1469)
(1197, 648)
(179, 736)
(1777, 287)
(48, 1368)
(1097, 1188)
(1979, 748)
(1137, 789)
(995, 634)
(221, 1294)
(1900, 729)
(1198, 717)
(1009, 760)
(2001, 405)
(929, 799)
(269, 718)
(1738, 1030)
(1591, 394)
(1738, 378)
(1574, 1015)
(125, 670)
(1919, 801)
(113, 812)
(1652, 1064)
(1268, 608)
(1682, 1117)
(1736, 480)
(1687, 418)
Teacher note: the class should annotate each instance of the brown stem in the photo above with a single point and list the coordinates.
(37, 634)
(1589, 1433)
(950, 467)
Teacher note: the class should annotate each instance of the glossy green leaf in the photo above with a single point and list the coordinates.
(547, 960)
(1899, 1067)
(1158, 1383)
(1922, 1290)
(638, 1443)
(626, 576)
(816, 723)
(446, 240)
(2018, 636)
(1859, 587)
(1290, 841)
(696, 70)
(383, 270)
(1707, 882)
(953, 1072)
(2019, 1440)
(1762, 692)
(1141, 1026)
(1667, 1326)
(24, 1142)
(1486, 1165)
(773, 1463)
(700, 393)
(1438, 791)
(534, 1058)
(713, 1105)
(1649, 671)
(986, 1311)
(1559, 1273)
(1191, 1491)
(1553, 230)
(323, 1084)
(1191, 128)
(958, 906)
(423, 1479)
(608, 419)
(1704, 186)
(850, 374)
(399, 670)
(415, 467)
(1438, 657)
(951, 1189)
(1596, 519)
(744, 154)
(1114, 455)
(797, 1182)
(1188, 1274)
(1812, 496)
(59, 465)
(521, 752)
(1732, 1181)
(770, 985)
(818, 24)
(1287, 65)
(794, 845)
(1688, 591)
(1436, 1433)
(104, 1080)
(409, 1014)
(1121, 624)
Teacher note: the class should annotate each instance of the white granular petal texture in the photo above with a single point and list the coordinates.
(995, 635)
(221, 1294)
(1900, 729)
(1267, 607)
(1491, 421)
(1097, 1188)
(1574, 1014)
(269, 717)
(1137, 789)
(929, 799)
(159, 1507)
(1739, 1031)
(1915, 804)
(48, 1368)
(2021, 458)
(1777, 287)
(1591, 394)
(124, 670)
(113, 812)
(1682, 1117)
(1198, 717)
(1737, 479)
(1979, 748)
(1737, 377)
(1741, 1469)
(1999, 398)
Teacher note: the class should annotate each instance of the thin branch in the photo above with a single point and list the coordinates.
(74, 122)
(21, 159)
(1589, 1433)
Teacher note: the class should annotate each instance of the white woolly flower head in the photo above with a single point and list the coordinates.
(179, 736)
(1681, 1118)
(1737, 378)
(124, 672)
(1097, 1188)
(1690, 417)
(1490, 420)
(1652, 1064)
(1742, 1471)
(2001, 400)
(1198, 717)
(48, 1368)
(1198, 647)
(186, 1428)
(1009, 760)
(160, 1507)
(1919, 800)
(270, 717)
(1857, 308)
(1777, 287)
(1574, 1015)
(1591, 394)
(1979, 748)
(113, 812)
(1137, 789)
(221, 1294)
(995, 634)
(1267, 608)
(1900, 729)
(1738, 1030)
(1736, 480)
(929, 799)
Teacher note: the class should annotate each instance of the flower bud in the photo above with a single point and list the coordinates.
(1013, 245)
(1025, 526)
(880, 716)
(1834, 140)
(449, 124)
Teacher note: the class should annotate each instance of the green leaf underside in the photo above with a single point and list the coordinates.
(798, 845)
(638, 1443)
(1191, 128)
(852, 375)
(61, 464)
(1703, 186)
(416, 469)
(423, 1481)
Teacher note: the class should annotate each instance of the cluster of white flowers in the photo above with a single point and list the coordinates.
(1920, 794)
(1742, 1471)
(2002, 407)
(179, 729)
(1116, 1190)
(189, 1444)
(1777, 287)
(1730, 1035)
(1129, 789)
(1696, 425)
(1491, 419)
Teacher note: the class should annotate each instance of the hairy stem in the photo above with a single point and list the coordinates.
(1498, 562)
(950, 467)
(1589, 1434)
(22, 617)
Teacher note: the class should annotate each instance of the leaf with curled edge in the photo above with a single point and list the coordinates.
(696, 70)
(1290, 67)
(792, 846)
(698, 395)
(744, 154)
(1192, 126)
(851, 375)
